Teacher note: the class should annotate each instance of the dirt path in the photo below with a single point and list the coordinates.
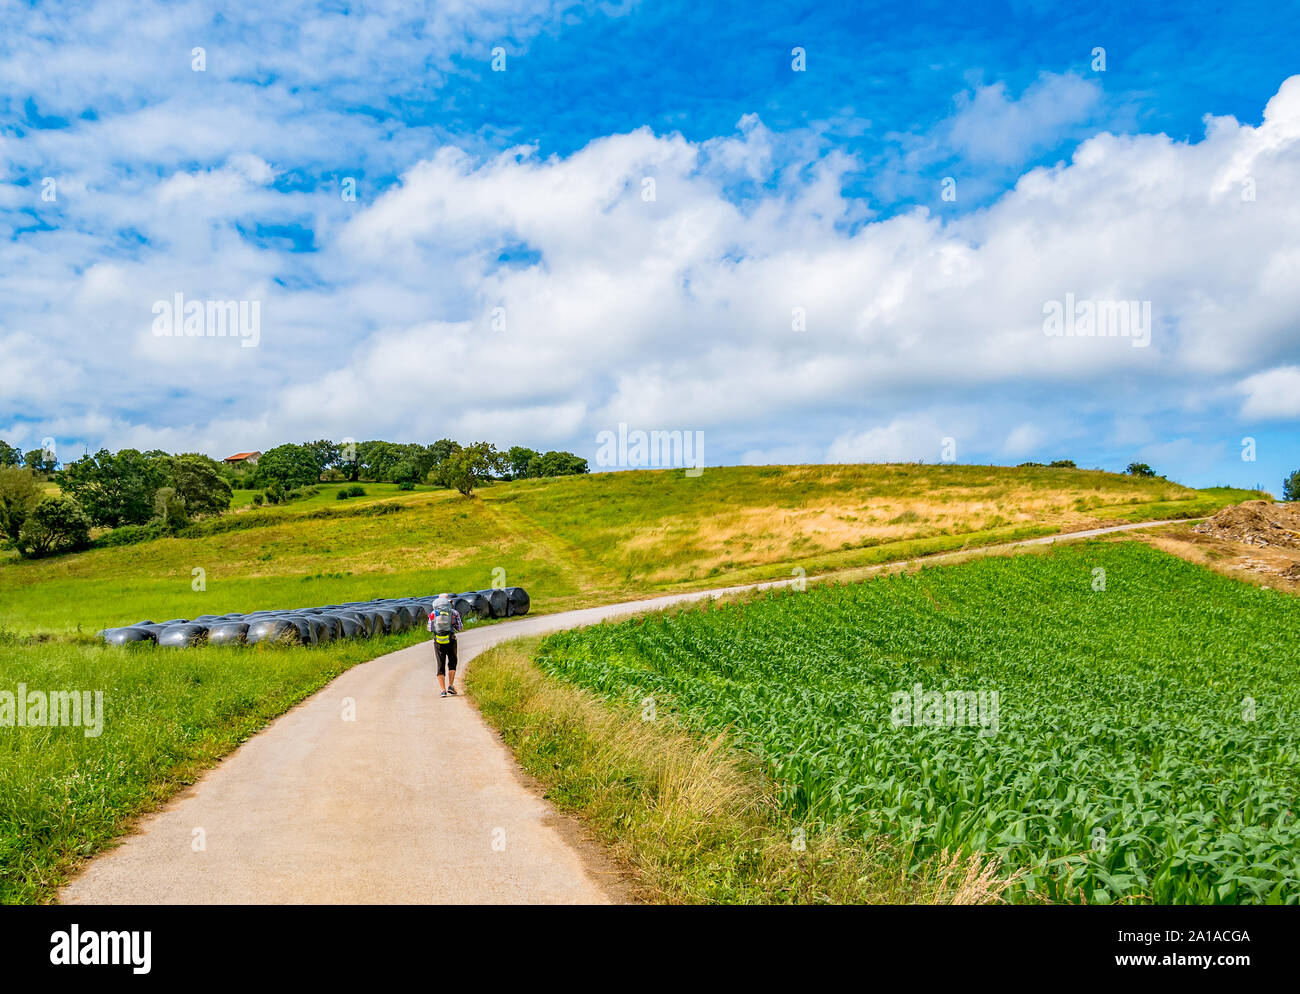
(413, 801)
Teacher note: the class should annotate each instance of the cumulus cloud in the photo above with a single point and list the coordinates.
(1272, 394)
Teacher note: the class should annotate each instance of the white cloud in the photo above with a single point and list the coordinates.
(902, 440)
(989, 126)
(1272, 394)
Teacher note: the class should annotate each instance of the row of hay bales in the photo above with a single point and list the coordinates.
(315, 625)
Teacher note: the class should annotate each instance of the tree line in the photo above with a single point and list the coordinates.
(156, 492)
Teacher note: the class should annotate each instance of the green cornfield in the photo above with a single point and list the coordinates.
(1143, 745)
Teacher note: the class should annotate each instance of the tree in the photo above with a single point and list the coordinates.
(1139, 469)
(327, 455)
(1062, 464)
(517, 459)
(169, 508)
(557, 464)
(441, 449)
(421, 457)
(9, 455)
(40, 461)
(115, 489)
(1291, 487)
(19, 493)
(56, 524)
(472, 465)
(198, 481)
(406, 473)
(377, 459)
(288, 465)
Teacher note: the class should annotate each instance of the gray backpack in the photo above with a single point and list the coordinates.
(440, 618)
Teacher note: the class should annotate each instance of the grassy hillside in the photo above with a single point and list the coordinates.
(1134, 742)
(576, 540)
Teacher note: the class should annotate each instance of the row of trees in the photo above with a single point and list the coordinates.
(445, 463)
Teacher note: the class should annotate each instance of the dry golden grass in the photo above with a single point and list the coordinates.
(732, 537)
(692, 820)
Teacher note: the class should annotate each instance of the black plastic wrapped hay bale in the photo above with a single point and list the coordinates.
(386, 619)
(183, 636)
(519, 600)
(228, 633)
(466, 608)
(307, 628)
(498, 602)
(479, 605)
(420, 608)
(335, 624)
(365, 624)
(350, 626)
(278, 629)
(124, 636)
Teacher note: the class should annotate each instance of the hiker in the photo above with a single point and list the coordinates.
(444, 623)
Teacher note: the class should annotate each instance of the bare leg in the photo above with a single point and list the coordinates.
(451, 678)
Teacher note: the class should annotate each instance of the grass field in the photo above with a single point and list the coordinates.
(167, 716)
(575, 540)
(1146, 737)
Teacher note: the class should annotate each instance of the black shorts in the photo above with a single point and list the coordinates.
(445, 655)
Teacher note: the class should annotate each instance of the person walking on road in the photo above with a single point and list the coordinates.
(444, 623)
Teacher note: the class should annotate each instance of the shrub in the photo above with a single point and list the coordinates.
(1062, 464)
(1139, 469)
(341, 495)
(56, 524)
(356, 491)
(406, 485)
(130, 534)
(258, 500)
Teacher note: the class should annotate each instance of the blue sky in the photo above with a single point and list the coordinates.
(126, 177)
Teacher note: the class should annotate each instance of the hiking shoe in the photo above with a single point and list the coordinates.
(452, 691)
(443, 694)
